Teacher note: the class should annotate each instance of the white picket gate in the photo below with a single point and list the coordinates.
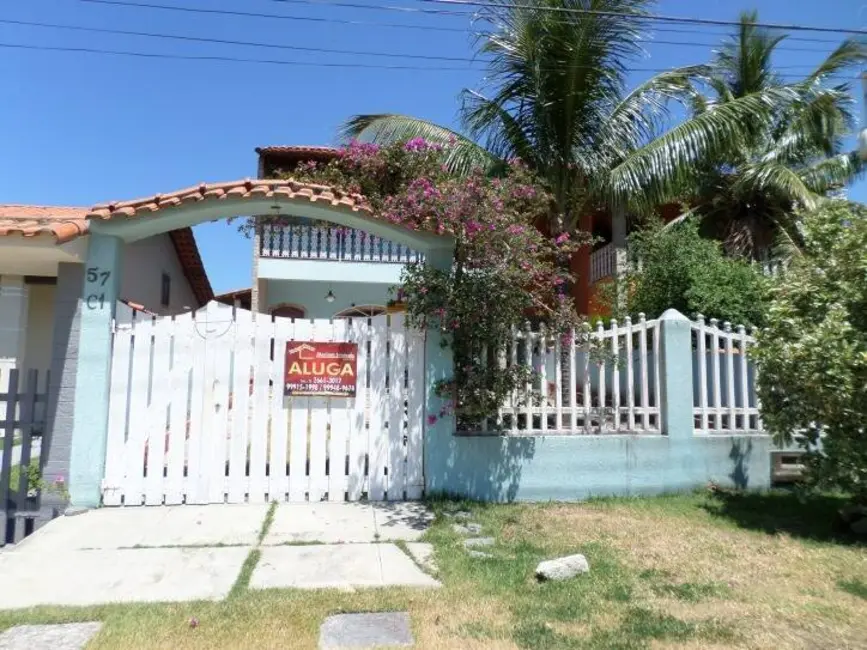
(197, 412)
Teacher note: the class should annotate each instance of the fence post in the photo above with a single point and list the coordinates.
(90, 428)
(676, 408)
(439, 426)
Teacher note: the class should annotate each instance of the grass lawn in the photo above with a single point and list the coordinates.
(705, 570)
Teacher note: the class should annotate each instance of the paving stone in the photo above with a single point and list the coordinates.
(69, 636)
(382, 630)
(341, 566)
(423, 554)
(467, 529)
(478, 541)
(79, 578)
(479, 555)
(405, 521)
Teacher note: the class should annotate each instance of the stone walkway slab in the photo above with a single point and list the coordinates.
(68, 636)
(347, 523)
(401, 521)
(115, 528)
(345, 566)
(326, 523)
(80, 578)
(423, 554)
(385, 630)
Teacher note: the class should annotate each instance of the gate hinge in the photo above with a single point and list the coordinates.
(105, 487)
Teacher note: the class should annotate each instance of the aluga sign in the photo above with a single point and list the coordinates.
(321, 369)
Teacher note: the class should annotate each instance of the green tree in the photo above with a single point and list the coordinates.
(812, 356)
(677, 268)
(749, 197)
(557, 99)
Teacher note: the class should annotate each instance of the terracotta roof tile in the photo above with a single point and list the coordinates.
(62, 222)
(67, 223)
(221, 191)
(297, 149)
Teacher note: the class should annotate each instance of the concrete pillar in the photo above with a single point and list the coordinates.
(13, 324)
(439, 365)
(102, 276)
(57, 443)
(675, 375)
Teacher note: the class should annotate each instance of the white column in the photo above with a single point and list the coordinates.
(13, 324)
(621, 256)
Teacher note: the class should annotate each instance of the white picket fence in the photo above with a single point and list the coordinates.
(197, 412)
(724, 379)
(603, 381)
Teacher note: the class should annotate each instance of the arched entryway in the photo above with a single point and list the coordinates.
(113, 225)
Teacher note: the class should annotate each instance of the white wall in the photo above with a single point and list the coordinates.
(144, 263)
(40, 328)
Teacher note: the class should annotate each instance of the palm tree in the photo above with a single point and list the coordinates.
(557, 99)
(749, 198)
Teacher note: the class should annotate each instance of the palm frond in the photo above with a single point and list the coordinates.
(463, 154)
(849, 54)
(833, 173)
(776, 180)
(638, 117)
(659, 169)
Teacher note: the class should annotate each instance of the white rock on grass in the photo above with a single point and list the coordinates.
(478, 541)
(562, 568)
(467, 529)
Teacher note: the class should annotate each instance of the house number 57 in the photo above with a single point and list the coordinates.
(96, 279)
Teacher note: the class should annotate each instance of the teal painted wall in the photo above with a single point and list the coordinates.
(565, 468)
(571, 467)
(311, 295)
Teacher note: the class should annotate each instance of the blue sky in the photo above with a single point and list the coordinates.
(80, 128)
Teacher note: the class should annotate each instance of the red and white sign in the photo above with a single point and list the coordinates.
(321, 369)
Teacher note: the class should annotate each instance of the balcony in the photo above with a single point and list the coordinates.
(331, 244)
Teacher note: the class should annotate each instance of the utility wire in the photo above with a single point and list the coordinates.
(226, 59)
(254, 14)
(651, 17)
(229, 12)
(234, 59)
(279, 46)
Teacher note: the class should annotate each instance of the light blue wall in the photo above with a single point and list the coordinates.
(569, 467)
(563, 468)
(311, 295)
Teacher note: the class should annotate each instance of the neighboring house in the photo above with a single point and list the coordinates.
(313, 270)
(42, 254)
(317, 271)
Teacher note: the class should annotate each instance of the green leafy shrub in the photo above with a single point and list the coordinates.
(680, 269)
(812, 355)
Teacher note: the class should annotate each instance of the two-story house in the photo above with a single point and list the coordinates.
(315, 270)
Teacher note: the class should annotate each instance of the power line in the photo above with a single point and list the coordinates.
(229, 12)
(234, 59)
(652, 17)
(254, 14)
(224, 59)
(221, 41)
(279, 46)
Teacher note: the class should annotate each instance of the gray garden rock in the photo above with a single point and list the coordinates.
(460, 514)
(478, 541)
(562, 568)
(479, 555)
(467, 529)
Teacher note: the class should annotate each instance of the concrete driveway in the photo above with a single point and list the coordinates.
(160, 554)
